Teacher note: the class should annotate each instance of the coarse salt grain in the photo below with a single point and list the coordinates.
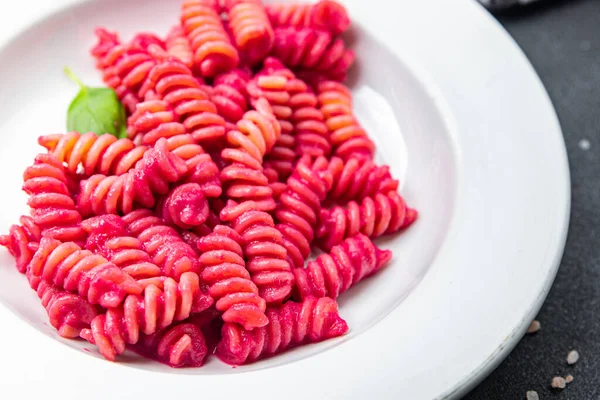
(569, 378)
(558, 382)
(532, 395)
(573, 357)
(534, 327)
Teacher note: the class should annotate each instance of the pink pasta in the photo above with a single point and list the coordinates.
(164, 301)
(125, 67)
(96, 154)
(224, 269)
(213, 51)
(357, 179)
(317, 51)
(190, 237)
(263, 249)
(230, 95)
(178, 46)
(185, 206)
(325, 15)
(291, 324)
(164, 244)
(347, 137)
(69, 267)
(251, 28)
(173, 82)
(52, 207)
(68, 313)
(22, 241)
(256, 135)
(151, 177)
(373, 217)
(179, 345)
(346, 264)
(299, 208)
(108, 237)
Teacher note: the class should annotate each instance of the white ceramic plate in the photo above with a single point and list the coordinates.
(464, 121)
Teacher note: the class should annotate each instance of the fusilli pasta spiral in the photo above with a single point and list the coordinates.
(163, 243)
(299, 208)
(224, 269)
(325, 15)
(164, 301)
(263, 249)
(173, 82)
(108, 237)
(290, 324)
(346, 264)
(256, 135)
(180, 345)
(178, 46)
(251, 28)
(185, 206)
(357, 179)
(52, 207)
(213, 51)
(373, 217)
(230, 95)
(151, 176)
(315, 51)
(69, 267)
(125, 68)
(103, 154)
(347, 137)
(22, 241)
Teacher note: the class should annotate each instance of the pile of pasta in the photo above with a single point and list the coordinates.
(191, 236)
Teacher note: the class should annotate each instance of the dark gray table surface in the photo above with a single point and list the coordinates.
(562, 40)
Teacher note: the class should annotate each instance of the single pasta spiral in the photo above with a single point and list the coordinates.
(277, 84)
(357, 179)
(68, 313)
(213, 51)
(173, 82)
(299, 207)
(52, 207)
(185, 206)
(22, 241)
(144, 40)
(153, 120)
(163, 302)
(125, 67)
(69, 267)
(263, 249)
(103, 154)
(256, 135)
(290, 324)
(346, 264)
(179, 345)
(224, 269)
(312, 135)
(347, 137)
(106, 41)
(163, 243)
(108, 237)
(178, 46)
(230, 95)
(325, 15)
(251, 28)
(313, 51)
(151, 176)
(373, 217)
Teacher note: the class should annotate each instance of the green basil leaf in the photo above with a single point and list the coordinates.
(96, 110)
